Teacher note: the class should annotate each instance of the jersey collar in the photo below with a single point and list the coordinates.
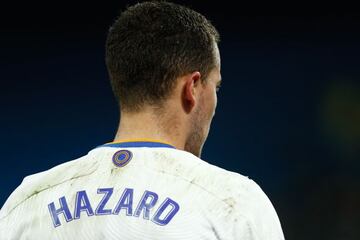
(133, 143)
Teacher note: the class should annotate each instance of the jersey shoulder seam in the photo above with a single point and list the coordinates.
(42, 190)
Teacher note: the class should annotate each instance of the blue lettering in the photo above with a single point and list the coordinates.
(82, 203)
(64, 209)
(165, 220)
(126, 201)
(100, 209)
(161, 216)
(144, 205)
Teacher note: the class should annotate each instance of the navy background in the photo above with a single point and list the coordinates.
(288, 111)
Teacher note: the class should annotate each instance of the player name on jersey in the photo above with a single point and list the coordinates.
(83, 206)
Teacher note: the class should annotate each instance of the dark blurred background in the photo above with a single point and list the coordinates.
(288, 113)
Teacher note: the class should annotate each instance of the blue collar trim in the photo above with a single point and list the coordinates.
(138, 144)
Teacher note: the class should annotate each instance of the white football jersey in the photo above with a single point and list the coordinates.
(138, 190)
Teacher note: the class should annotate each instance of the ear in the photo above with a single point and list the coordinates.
(190, 91)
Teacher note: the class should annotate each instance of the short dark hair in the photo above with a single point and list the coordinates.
(153, 43)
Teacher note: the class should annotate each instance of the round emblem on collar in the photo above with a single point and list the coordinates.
(122, 157)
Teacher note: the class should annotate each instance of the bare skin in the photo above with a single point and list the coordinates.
(185, 118)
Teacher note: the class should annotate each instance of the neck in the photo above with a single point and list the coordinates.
(149, 125)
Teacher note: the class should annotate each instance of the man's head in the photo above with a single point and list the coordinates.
(150, 47)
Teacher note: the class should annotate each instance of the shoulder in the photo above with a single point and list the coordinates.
(237, 199)
(220, 184)
(216, 180)
(40, 182)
